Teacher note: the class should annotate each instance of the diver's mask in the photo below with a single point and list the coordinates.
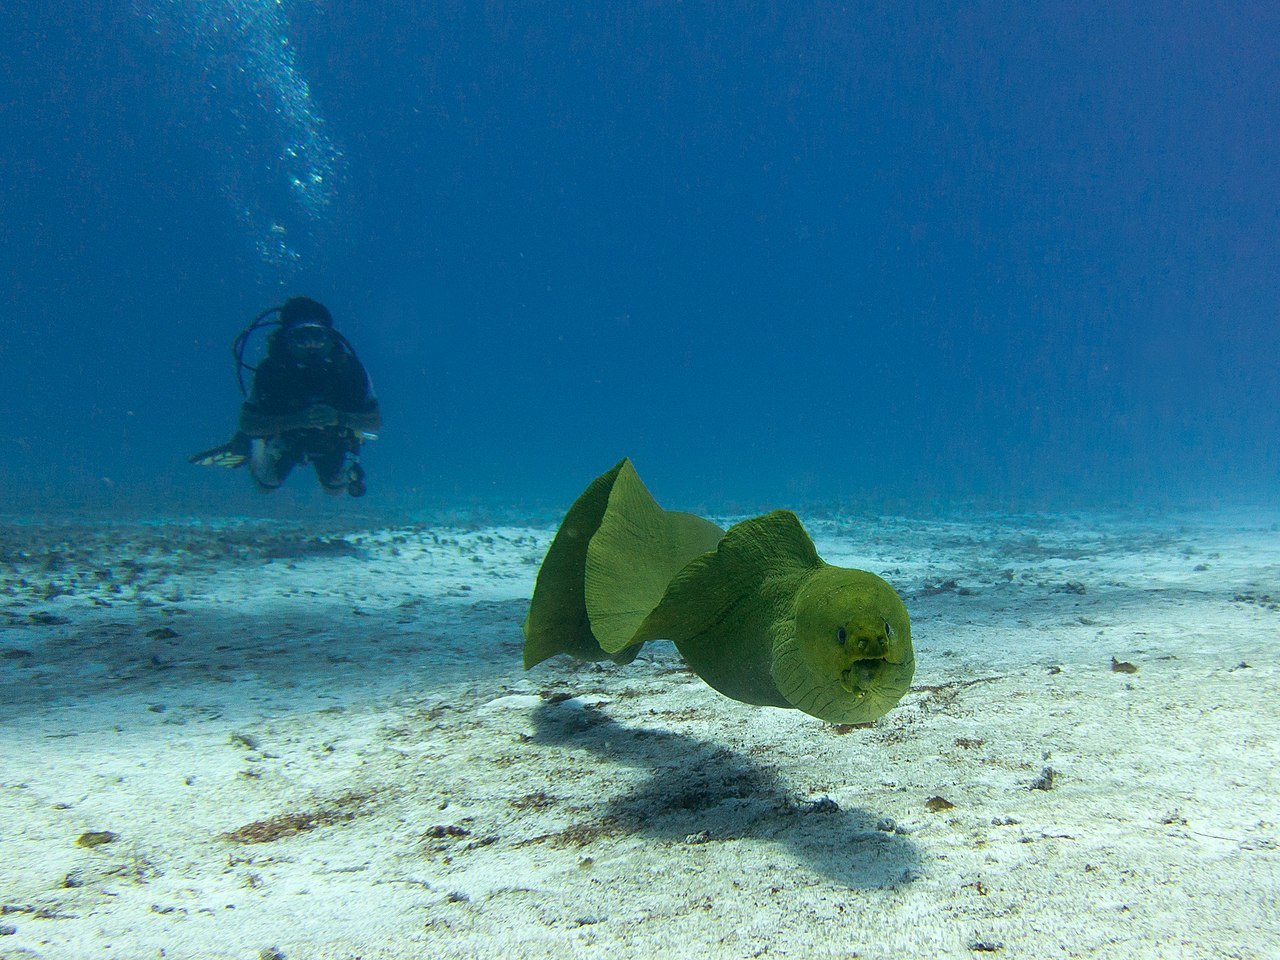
(309, 343)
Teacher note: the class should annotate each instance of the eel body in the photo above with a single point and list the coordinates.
(754, 610)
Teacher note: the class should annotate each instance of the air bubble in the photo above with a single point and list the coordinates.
(282, 169)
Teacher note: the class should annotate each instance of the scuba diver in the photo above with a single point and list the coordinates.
(311, 402)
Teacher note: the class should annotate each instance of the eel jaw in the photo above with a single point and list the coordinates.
(859, 676)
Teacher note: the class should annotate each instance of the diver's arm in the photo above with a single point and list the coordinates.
(368, 421)
(360, 412)
(256, 424)
(266, 413)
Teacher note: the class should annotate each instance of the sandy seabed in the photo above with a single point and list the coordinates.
(236, 740)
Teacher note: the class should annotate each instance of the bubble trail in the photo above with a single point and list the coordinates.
(283, 172)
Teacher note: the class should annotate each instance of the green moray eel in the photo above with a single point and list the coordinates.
(754, 611)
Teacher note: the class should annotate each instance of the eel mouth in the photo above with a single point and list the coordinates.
(860, 675)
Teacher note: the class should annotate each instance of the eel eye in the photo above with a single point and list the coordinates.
(888, 630)
(840, 636)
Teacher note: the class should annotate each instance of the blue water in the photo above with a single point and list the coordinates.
(879, 255)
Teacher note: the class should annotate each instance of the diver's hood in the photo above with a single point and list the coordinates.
(297, 311)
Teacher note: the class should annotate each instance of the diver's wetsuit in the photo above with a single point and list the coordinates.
(282, 392)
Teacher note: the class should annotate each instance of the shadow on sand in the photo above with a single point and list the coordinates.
(698, 792)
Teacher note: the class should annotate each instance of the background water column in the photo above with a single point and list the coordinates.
(279, 171)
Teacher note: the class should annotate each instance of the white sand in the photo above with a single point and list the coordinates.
(416, 795)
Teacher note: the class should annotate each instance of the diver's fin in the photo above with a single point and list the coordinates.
(234, 453)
